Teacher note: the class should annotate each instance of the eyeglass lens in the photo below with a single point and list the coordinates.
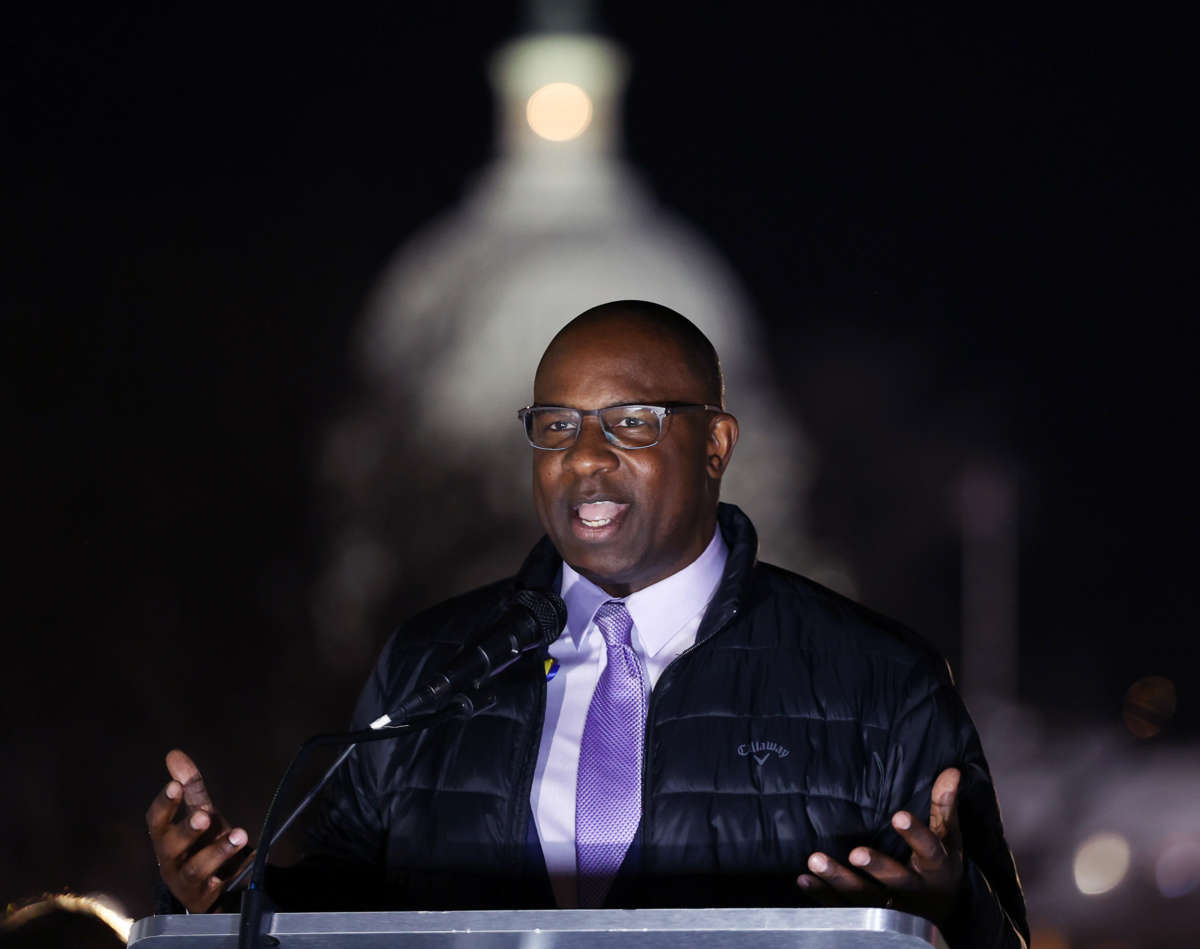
(630, 426)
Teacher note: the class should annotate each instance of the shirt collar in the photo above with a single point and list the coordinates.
(660, 609)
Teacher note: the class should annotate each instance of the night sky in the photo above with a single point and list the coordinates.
(968, 241)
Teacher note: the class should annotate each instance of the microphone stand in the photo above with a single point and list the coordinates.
(254, 900)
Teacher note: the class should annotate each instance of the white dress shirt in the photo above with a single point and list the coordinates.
(666, 617)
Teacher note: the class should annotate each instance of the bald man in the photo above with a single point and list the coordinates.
(706, 731)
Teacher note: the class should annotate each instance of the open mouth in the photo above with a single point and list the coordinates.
(593, 517)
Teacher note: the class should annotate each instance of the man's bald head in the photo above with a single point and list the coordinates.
(652, 319)
(628, 517)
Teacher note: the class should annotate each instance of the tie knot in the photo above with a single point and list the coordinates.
(614, 622)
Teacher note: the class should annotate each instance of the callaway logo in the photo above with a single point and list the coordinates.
(762, 750)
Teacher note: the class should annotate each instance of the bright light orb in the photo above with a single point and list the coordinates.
(1101, 863)
(559, 111)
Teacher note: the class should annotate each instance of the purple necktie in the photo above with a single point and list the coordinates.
(608, 793)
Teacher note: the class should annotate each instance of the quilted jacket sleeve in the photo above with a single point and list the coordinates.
(934, 732)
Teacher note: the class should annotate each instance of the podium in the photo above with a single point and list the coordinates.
(773, 928)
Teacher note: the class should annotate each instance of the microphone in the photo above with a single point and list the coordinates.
(531, 620)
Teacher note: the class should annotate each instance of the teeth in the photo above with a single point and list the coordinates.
(598, 523)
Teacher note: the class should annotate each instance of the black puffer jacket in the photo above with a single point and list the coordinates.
(799, 721)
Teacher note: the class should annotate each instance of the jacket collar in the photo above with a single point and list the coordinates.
(742, 539)
(541, 568)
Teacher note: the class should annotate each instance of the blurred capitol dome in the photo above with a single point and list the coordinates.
(428, 471)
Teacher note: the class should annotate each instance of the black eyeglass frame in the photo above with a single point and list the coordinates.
(661, 409)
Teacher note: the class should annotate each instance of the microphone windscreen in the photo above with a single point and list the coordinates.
(548, 611)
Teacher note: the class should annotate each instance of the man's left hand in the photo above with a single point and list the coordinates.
(927, 885)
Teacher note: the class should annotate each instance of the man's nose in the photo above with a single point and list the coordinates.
(591, 452)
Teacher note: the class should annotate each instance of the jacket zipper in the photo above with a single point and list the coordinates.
(522, 803)
(647, 746)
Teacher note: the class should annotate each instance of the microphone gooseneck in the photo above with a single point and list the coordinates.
(532, 620)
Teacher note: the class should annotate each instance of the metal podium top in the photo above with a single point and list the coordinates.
(559, 929)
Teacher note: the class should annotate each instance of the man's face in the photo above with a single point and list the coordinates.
(659, 502)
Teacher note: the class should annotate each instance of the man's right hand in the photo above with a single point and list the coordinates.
(192, 841)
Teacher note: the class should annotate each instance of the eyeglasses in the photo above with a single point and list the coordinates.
(628, 426)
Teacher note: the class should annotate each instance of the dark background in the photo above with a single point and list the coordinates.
(969, 238)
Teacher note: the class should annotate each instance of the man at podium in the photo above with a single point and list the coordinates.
(707, 730)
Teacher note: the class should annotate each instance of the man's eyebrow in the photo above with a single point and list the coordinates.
(567, 405)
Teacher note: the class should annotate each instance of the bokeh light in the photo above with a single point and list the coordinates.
(104, 907)
(1148, 706)
(1177, 870)
(559, 111)
(1048, 938)
(1101, 863)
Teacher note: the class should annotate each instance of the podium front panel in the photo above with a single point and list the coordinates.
(771, 928)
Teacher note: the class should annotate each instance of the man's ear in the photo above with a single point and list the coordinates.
(722, 436)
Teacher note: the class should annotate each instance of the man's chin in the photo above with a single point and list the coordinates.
(608, 569)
